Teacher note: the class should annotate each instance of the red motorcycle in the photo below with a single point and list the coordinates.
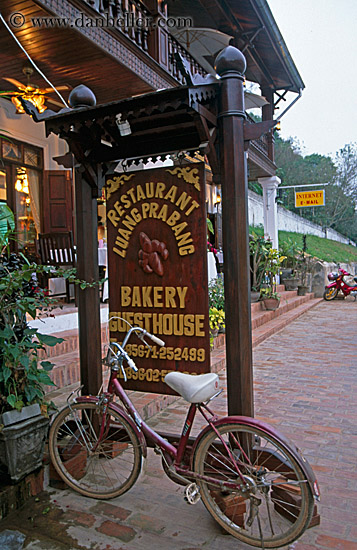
(339, 284)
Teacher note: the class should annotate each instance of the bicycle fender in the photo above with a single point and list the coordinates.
(121, 412)
(269, 430)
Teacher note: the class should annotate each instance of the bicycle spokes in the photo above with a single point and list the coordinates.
(252, 486)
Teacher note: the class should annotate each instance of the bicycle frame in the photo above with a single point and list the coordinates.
(177, 453)
(145, 433)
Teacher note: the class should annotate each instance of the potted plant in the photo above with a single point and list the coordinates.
(23, 377)
(289, 274)
(259, 254)
(269, 296)
(305, 267)
(270, 299)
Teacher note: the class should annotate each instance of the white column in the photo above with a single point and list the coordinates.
(270, 186)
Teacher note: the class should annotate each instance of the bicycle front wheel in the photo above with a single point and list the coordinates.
(100, 457)
(276, 504)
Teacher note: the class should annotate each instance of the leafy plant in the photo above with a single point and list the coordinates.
(210, 226)
(259, 257)
(22, 377)
(216, 293)
(272, 270)
(266, 293)
(306, 263)
(291, 250)
(7, 224)
(216, 318)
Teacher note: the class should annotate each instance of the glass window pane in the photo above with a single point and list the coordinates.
(11, 150)
(2, 185)
(32, 156)
(27, 189)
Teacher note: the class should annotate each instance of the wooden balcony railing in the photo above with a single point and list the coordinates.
(156, 42)
(128, 12)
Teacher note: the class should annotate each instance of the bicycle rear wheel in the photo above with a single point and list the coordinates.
(278, 504)
(104, 468)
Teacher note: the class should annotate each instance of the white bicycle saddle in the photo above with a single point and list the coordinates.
(194, 389)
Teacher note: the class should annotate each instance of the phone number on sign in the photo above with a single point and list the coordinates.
(149, 375)
(168, 353)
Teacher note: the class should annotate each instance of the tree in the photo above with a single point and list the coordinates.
(345, 204)
(339, 211)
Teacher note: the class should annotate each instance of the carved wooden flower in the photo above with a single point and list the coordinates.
(151, 254)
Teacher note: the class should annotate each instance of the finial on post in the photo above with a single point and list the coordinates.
(230, 60)
(81, 96)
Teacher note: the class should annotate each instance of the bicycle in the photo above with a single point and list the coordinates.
(252, 480)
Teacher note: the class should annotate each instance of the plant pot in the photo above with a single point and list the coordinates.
(286, 272)
(291, 283)
(302, 290)
(271, 304)
(22, 441)
(254, 296)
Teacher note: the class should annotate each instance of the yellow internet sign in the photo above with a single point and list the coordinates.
(309, 198)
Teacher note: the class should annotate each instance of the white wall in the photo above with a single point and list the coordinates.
(23, 128)
(288, 221)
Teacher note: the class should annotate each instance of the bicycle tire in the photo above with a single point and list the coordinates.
(330, 294)
(106, 471)
(273, 476)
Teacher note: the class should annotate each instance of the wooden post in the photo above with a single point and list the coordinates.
(230, 65)
(268, 114)
(88, 299)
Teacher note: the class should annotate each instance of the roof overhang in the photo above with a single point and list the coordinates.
(254, 32)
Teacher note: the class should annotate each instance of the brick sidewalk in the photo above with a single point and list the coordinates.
(305, 384)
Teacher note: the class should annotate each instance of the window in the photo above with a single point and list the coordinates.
(32, 156)
(11, 150)
(2, 185)
(20, 187)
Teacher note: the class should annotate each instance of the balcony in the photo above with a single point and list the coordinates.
(157, 42)
(161, 46)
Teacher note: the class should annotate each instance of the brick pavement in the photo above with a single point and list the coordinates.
(305, 384)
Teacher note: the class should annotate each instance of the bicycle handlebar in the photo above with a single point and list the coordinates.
(131, 363)
(142, 333)
(155, 339)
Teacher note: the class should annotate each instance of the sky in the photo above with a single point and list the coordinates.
(321, 36)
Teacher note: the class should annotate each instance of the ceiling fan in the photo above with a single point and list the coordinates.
(32, 93)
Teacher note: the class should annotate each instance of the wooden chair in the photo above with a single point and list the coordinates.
(57, 250)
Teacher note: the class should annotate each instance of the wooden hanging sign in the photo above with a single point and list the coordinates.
(157, 264)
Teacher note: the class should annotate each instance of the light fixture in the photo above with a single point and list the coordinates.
(278, 126)
(18, 185)
(34, 96)
(22, 182)
(218, 199)
(123, 126)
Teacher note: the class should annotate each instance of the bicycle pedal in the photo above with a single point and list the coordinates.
(192, 493)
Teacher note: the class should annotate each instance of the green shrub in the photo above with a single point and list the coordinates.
(216, 293)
